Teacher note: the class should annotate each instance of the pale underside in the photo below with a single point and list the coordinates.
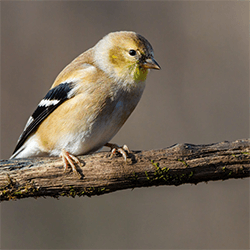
(100, 119)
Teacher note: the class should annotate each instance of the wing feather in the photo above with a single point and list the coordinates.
(53, 99)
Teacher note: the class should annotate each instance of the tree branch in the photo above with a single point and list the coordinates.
(100, 174)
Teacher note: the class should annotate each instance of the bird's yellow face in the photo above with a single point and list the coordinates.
(127, 62)
(132, 56)
(129, 56)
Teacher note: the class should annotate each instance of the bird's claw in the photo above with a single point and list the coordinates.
(124, 150)
(69, 159)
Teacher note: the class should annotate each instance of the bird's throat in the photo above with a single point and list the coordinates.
(140, 73)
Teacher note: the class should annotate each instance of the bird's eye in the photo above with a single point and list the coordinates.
(132, 52)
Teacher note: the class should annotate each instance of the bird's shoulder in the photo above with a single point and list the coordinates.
(81, 67)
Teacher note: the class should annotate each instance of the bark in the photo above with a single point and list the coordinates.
(100, 174)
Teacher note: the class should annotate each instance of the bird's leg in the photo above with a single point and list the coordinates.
(115, 148)
(68, 159)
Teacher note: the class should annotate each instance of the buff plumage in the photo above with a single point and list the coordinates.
(90, 100)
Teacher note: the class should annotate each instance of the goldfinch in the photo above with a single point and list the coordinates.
(89, 100)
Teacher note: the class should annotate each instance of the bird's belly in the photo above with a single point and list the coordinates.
(94, 134)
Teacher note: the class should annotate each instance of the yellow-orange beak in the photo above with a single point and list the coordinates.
(150, 63)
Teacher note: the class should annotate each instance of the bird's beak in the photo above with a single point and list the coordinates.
(150, 63)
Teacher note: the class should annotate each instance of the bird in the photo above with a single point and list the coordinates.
(89, 100)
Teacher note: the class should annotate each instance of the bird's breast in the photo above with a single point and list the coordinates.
(109, 116)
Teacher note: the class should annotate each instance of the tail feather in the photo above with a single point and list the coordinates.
(15, 155)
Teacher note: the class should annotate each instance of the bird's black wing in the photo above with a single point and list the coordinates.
(53, 99)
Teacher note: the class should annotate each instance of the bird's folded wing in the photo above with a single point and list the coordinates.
(53, 99)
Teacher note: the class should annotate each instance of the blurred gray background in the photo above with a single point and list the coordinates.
(200, 96)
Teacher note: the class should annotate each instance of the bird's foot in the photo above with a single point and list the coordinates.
(124, 150)
(69, 159)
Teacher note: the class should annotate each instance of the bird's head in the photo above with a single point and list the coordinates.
(126, 56)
